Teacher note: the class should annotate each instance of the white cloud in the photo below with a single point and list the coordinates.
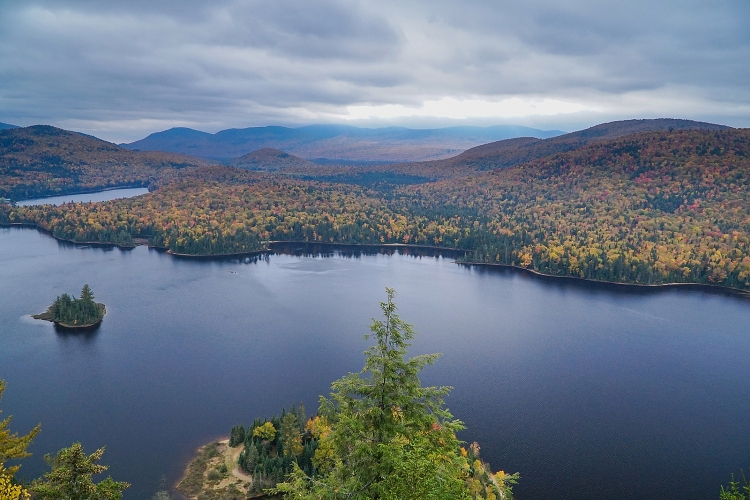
(124, 69)
(449, 107)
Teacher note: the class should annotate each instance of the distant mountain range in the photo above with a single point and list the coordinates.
(334, 143)
(4, 126)
(44, 160)
(511, 152)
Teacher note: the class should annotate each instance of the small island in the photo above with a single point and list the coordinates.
(74, 313)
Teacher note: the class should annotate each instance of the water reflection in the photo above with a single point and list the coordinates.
(358, 251)
(88, 333)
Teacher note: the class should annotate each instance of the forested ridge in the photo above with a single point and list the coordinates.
(43, 161)
(512, 152)
(649, 208)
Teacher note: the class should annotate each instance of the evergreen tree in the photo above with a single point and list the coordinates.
(390, 437)
(301, 417)
(87, 296)
(237, 435)
(70, 478)
(290, 437)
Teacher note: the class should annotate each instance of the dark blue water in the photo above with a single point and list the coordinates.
(111, 194)
(589, 392)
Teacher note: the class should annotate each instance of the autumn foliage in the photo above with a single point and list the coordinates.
(650, 208)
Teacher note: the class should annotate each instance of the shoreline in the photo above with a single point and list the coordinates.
(372, 245)
(739, 292)
(47, 316)
(196, 480)
(88, 191)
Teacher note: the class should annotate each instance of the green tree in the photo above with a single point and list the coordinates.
(13, 446)
(71, 477)
(86, 294)
(237, 435)
(301, 417)
(735, 491)
(290, 435)
(391, 438)
(265, 431)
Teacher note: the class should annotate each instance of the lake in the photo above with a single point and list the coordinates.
(589, 391)
(111, 194)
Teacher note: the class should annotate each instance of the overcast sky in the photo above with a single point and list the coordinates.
(123, 69)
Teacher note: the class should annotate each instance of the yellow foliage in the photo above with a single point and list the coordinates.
(265, 431)
(8, 490)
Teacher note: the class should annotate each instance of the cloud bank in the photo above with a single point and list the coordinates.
(120, 70)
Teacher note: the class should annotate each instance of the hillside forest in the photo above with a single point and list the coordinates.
(648, 208)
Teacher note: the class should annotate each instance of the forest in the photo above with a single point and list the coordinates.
(650, 208)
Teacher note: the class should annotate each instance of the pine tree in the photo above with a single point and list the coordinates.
(290, 437)
(71, 477)
(86, 294)
(237, 435)
(301, 417)
(391, 437)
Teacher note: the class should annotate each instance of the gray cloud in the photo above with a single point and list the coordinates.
(121, 70)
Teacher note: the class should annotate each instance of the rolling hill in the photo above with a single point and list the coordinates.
(271, 160)
(510, 152)
(337, 143)
(665, 206)
(42, 161)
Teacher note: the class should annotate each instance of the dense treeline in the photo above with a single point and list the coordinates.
(650, 208)
(270, 447)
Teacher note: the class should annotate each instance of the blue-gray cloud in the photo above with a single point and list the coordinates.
(123, 69)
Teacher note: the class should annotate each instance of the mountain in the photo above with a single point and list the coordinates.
(648, 207)
(333, 142)
(269, 160)
(4, 126)
(44, 160)
(510, 152)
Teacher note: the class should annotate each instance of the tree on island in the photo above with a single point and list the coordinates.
(384, 436)
(71, 311)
